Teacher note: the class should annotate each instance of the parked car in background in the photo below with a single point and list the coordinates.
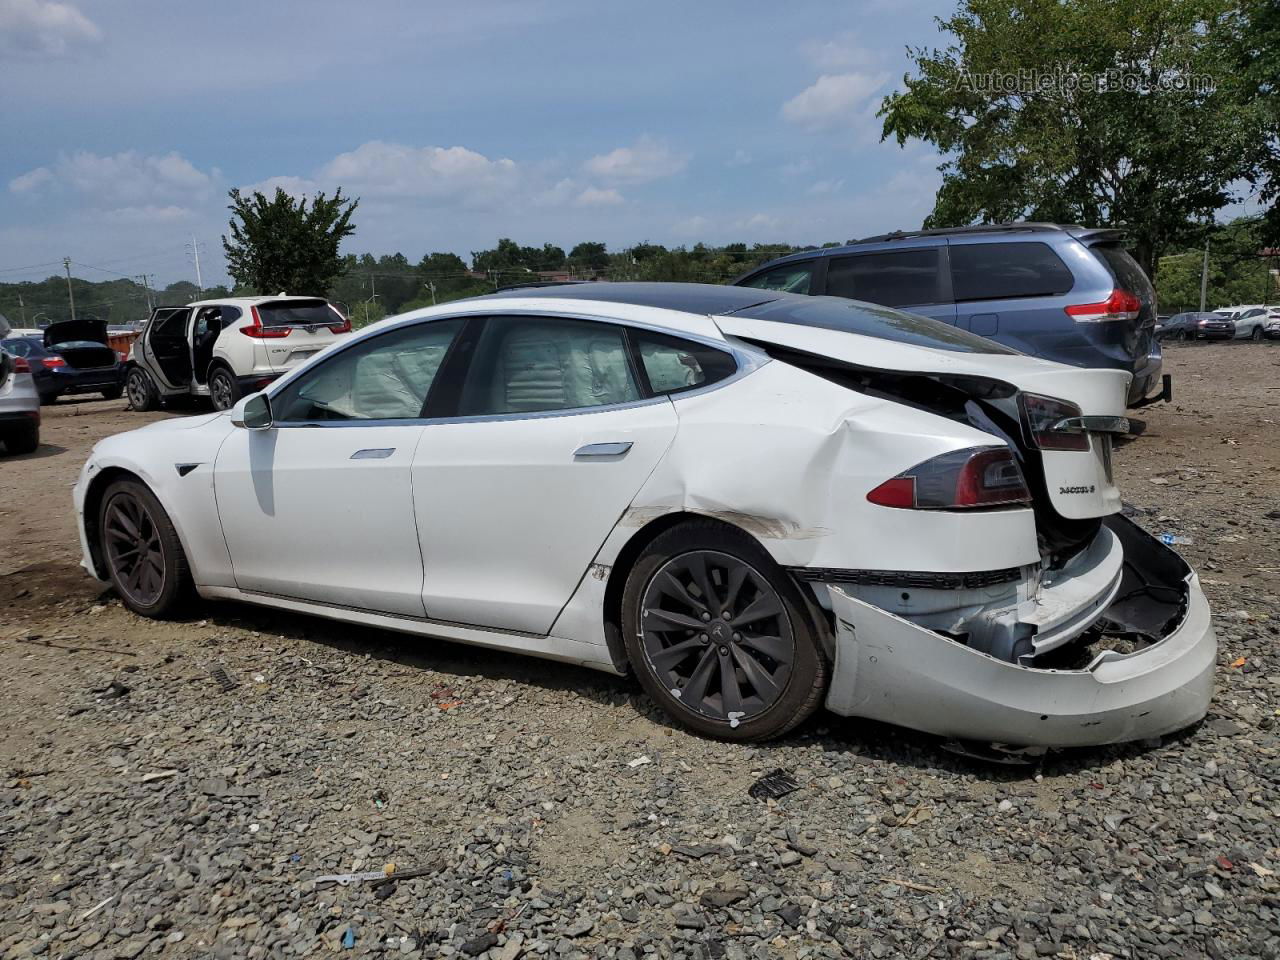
(1272, 327)
(758, 502)
(223, 349)
(71, 357)
(1250, 320)
(1063, 293)
(1197, 326)
(19, 405)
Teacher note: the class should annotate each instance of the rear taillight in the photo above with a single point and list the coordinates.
(124, 357)
(1121, 305)
(343, 327)
(259, 332)
(961, 479)
(1041, 414)
(20, 365)
(53, 362)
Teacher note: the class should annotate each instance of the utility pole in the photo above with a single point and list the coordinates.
(23, 307)
(195, 252)
(431, 285)
(1204, 275)
(146, 289)
(66, 265)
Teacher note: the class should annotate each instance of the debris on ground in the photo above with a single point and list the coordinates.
(773, 786)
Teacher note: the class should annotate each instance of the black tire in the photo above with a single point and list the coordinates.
(48, 399)
(1256, 335)
(224, 391)
(22, 439)
(115, 393)
(143, 395)
(782, 698)
(164, 586)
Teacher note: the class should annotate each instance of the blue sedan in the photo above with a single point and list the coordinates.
(73, 366)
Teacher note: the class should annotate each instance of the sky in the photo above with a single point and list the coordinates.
(125, 124)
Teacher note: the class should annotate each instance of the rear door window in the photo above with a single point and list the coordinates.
(1124, 268)
(893, 278)
(792, 277)
(1007, 271)
(534, 364)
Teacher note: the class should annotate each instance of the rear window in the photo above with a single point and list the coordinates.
(869, 320)
(892, 278)
(297, 313)
(1124, 268)
(1007, 271)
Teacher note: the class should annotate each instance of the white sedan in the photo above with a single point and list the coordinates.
(756, 502)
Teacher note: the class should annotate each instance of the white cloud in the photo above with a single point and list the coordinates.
(841, 53)
(39, 28)
(757, 221)
(122, 179)
(149, 213)
(824, 187)
(596, 197)
(646, 160)
(834, 100)
(740, 158)
(296, 187)
(31, 181)
(394, 170)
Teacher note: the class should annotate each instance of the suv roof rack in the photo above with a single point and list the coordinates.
(1019, 227)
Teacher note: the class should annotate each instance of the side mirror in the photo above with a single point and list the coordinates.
(253, 412)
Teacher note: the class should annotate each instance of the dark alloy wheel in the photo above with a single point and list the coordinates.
(223, 391)
(142, 392)
(1256, 335)
(720, 636)
(143, 555)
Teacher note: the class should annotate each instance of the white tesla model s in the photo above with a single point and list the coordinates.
(757, 502)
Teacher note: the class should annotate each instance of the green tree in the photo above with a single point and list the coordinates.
(1237, 273)
(589, 256)
(281, 244)
(1257, 62)
(1014, 103)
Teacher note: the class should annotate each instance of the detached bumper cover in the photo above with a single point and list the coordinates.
(888, 668)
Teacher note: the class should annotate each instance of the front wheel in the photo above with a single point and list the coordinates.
(719, 636)
(224, 392)
(144, 557)
(1256, 335)
(143, 395)
(22, 439)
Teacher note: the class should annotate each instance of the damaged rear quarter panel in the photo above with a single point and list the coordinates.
(789, 458)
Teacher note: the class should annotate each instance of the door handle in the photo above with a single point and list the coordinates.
(615, 449)
(373, 453)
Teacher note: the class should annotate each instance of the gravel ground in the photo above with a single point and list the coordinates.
(178, 788)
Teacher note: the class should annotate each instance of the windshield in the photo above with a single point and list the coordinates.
(871, 320)
(297, 313)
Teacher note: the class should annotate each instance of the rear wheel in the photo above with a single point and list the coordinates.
(22, 439)
(719, 636)
(48, 398)
(143, 554)
(142, 391)
(224, 392)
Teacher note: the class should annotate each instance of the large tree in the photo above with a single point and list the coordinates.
(1257, 62)
(1088, 111)
(282, 244)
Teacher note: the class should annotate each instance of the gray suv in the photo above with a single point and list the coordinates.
(1065, 293)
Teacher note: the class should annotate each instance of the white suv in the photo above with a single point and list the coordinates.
(1250, 319)
(224, 349)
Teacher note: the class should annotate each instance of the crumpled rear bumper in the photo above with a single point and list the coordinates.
(888, 668)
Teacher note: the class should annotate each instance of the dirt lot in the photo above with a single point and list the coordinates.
(147, 809)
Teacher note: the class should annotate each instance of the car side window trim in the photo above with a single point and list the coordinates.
(747, 361)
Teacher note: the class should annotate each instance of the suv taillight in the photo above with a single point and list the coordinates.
(259, 332)
(961, 479)
(1121, 305)
(20, 365)
(1040, 414)
(343, 327)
